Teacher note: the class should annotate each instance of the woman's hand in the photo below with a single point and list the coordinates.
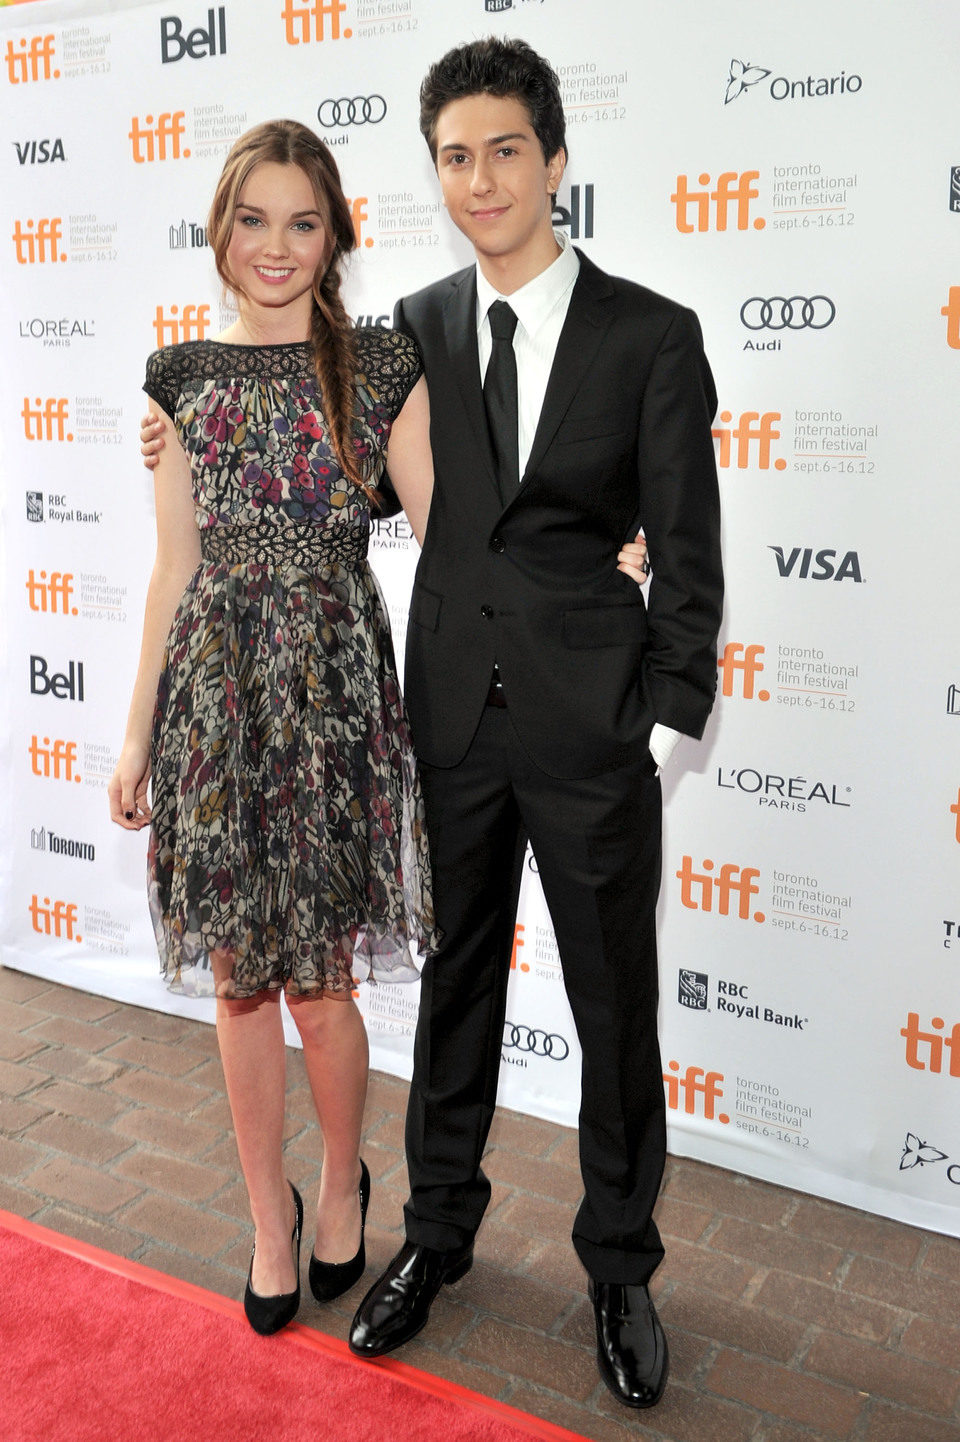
(152, 427)
(633, 560)
(127, 791)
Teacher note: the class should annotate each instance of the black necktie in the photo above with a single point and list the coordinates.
(500, 397)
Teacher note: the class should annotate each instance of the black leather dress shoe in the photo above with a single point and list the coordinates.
(631, 1348)
(396, 1307)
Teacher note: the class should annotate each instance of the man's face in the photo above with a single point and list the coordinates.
(496, 183)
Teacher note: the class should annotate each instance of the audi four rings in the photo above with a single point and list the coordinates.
(361, 110)
(540, 1043)
(780, 312)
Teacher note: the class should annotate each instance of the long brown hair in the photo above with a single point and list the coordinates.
(286, 142)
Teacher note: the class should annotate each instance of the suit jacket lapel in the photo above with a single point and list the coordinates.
(588, 316)
(460, 328)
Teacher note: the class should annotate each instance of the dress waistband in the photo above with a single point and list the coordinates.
(308, 547)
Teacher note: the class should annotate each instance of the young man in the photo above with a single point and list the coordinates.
(542, 693)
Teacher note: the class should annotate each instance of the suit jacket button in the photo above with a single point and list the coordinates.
(498, 544)
(486, 612)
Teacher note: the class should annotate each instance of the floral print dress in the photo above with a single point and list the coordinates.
(287, 845)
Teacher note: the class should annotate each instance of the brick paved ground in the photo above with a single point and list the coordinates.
(789, 1319)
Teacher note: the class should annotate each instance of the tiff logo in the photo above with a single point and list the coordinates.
(518, 942)
(933, 1043)
(683, 1092)
(297, 17)
(173, 327)
(752, 426)
(160, 141)
(731, 188)
(35, 63)
(955, 810)
(46, 420)
(51, 597)
(53, 760)
(738, 659)
(37, 246)
(54, 918)
(952, 312)
(732, 881)
(358, 210)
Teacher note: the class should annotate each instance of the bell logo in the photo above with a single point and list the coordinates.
(752, 426)
(325, 15)
(952, 312)
(198, 43)
(933, 1043)
(683, 1092)
(955, 809)
(173, 327)
(157, 141)
(46, 420)
(518, 942)
(358, 210)
(732, 880)
(730, 187)
(53, 760)
(51, 597)
(54, 918)
(738, 658)
(35, 63)
(64, 685)
(37, 242)
(571, 216)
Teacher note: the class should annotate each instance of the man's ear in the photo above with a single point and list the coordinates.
(556, 165)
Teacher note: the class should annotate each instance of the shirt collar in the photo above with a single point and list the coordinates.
(533, 302)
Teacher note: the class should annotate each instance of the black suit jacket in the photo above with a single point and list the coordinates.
(623, 440)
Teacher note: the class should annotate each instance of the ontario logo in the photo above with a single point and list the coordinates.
(744, 76)
(918, 1154)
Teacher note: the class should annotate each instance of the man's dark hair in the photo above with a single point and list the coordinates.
(496, 67)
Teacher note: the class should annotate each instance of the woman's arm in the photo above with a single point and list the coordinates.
(409, 459)
(178, 555)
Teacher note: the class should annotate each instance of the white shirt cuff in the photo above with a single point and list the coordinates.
(662, 741)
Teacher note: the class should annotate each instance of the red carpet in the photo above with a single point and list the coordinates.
(98, 1349)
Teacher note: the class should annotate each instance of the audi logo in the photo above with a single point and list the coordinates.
(781, 312)
(539, 1043)
(361, 110)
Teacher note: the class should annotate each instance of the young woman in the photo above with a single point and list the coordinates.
(287, 851)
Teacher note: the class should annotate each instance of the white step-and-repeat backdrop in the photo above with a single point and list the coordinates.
(790, 171)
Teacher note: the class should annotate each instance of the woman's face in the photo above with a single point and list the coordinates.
(278, 241)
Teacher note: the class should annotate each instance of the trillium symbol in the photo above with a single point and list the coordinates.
(917, 1153)
(742, 76)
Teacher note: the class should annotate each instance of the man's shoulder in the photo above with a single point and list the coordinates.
(629, 294)
(437, 293)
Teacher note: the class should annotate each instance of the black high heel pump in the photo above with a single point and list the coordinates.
(329, 1280)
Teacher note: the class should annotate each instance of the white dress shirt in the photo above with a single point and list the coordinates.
(541, 308)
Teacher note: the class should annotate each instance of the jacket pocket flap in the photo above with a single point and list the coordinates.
(621, 625)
